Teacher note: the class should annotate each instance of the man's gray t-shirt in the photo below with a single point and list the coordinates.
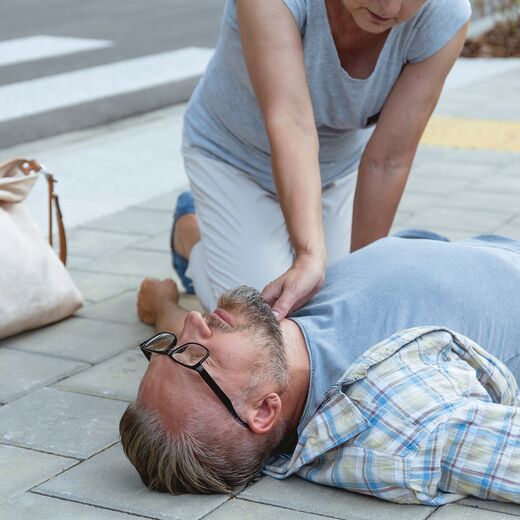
(224, 119)
(394, 284)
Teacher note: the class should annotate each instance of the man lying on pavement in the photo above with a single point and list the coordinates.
(334, 394)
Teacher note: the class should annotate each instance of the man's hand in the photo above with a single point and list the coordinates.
(296, 286)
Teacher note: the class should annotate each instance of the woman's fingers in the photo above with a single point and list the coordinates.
(293, 289)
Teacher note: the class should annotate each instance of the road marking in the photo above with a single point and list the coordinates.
(474, 134)
(72, 88)
(40, 47)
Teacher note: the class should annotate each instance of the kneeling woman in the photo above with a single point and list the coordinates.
(299, 139)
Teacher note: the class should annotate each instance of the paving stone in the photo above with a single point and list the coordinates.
(414, 202)
(133, 221)
(432, 185)
(117, 378)
(295, 493)
(470, 156)
(473, 221)
(512, 168)
(500, 183)
(109, 480)
(152, 264)
(440, 169)
(455, 512)
(96, 287)
(236, 509)
(96, 243)
(31, 506)
(79, 339)
(484, 200)
(119, 309)
(160, 242)
(21, 372)
(21, 469)
(402, 217)
(77, 262)
(492, 505)
(164, 202)
(510, 230)
(63, 423)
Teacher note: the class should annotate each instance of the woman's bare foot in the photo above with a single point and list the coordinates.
(156, 300)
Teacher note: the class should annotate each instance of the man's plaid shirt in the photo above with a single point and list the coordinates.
(425, 417)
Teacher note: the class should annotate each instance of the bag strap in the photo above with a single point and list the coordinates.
(33, 166)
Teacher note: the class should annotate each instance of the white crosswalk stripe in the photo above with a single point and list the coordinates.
(39, 47)
(72, 88)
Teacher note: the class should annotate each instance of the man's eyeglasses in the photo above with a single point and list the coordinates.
(189, 355)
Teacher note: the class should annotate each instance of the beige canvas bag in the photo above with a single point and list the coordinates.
(35, 287)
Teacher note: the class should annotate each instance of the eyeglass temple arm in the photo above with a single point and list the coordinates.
(222, 396)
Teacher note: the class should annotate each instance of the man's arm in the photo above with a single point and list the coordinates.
(388, 156)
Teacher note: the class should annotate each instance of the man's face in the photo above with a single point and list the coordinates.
(377, 16)
(231, 338)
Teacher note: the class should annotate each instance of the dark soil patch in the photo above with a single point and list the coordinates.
(503, 41)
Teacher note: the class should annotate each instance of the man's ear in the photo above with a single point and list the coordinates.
(264, 417)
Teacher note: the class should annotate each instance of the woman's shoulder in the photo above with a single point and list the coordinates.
(434, 26)
(298, 9)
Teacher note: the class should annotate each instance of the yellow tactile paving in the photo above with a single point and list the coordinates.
(476, 134)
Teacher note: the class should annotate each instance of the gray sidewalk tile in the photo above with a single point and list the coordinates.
(133, 221)
(236, 509)
(469, 220)
(22, 469)
(79, 339)
(152, 264)
(96, 287)
(432, 185)
(78, 262)
(109, 480)
(94, 243)
(442, 169)
(455, 512)
(31, 506)
(492, 505)
(414, 202)
(164, 202)
(500, 183)
(63, 423)
(119, 309)
(510, 230)
(295, 493)
(159, 243)
(462, 155)
(117, 378)
(22, 372)
(512, 168)
(483, 200)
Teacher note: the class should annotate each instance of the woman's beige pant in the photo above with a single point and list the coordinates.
(244, 237)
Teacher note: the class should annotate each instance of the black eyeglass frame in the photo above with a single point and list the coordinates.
(197, 367)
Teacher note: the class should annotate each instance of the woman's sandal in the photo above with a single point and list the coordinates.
(185, 205)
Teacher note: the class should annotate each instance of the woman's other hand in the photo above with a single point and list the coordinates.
(296, 286)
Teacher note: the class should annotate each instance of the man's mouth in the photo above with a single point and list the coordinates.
(225, 317)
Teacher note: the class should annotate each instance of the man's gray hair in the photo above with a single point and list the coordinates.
(192, 460)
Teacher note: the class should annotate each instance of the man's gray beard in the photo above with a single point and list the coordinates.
(247, 304)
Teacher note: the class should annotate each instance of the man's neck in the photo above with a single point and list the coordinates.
(295, 397)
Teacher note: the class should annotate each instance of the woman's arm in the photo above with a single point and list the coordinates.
(273, 54)
(388, 156)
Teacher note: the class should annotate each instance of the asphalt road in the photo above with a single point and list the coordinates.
(135, 28)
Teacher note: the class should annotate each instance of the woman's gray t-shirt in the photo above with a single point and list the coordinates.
(224, 119)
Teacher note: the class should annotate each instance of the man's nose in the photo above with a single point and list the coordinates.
(195, 327)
